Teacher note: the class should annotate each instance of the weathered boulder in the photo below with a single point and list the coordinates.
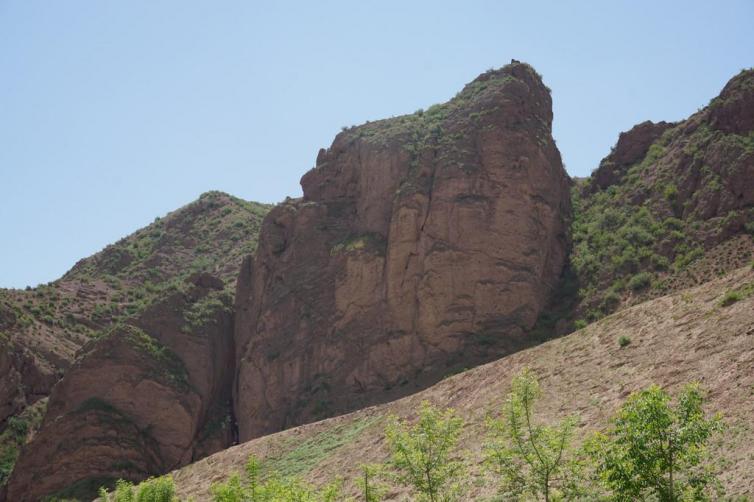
(422, 244)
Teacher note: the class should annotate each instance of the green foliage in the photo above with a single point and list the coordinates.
(624, 341)
(275, 489)
(531, 460)
(580, 324)
(14, 436)
(231, 490)
(640, 281)
(371, 490)
(423, 453)
(206, 309)
(730, 298)
(369, 242)
(168, 366)
(670, 192)
(656, 450)
(161, 489)
(738, 294)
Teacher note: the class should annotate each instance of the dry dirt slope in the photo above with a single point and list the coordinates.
(674, 339)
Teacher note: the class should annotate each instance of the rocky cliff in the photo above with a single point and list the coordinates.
(151, 395)
(422, 244)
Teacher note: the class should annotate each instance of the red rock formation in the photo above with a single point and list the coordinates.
(733, 110)
(422, 244)
(631, 148)
(143, 400)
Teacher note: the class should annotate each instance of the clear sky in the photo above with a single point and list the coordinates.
(114, 112)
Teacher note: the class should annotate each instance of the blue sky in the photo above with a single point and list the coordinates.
(113, 112)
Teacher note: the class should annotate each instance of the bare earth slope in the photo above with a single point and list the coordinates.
(675, 339)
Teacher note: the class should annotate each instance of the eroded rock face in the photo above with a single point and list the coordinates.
(631, 148)
(148, 397)
(21, 381)
(733, 110)
(422, 244)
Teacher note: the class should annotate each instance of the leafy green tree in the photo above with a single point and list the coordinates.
(253, 478)
(230, 491)
(657, 450)
(533, 460)
(423, 453)
(161, 489)
(371, 490)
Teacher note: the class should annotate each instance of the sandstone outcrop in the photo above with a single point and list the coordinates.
(422, 244)
(150, 396)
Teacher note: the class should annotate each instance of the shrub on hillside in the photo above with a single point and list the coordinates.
(160, 489)
(531, 459)
(656, 450)
(423, 453)
(640, 281)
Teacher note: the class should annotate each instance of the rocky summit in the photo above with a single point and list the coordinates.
(423, 244)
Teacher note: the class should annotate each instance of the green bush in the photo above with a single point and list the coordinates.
(274, 489)
(532, 461)
(422, 454)
(640, 281)
(610, 302)
(160, 489)
(624, 341)
(730, 298)
(656, 450)
(670, 192)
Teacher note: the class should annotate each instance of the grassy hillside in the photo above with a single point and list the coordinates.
(212, 234)
(694, 335)
(667, 197)
(42, 328)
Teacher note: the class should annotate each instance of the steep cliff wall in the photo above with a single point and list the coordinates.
(422, 244)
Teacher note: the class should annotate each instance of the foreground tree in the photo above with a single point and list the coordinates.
(274, 489)
(161, 489)
(423, 453)
(656, 450)
(533, 461)
(371, 489)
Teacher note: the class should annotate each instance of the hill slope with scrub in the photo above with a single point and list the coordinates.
(695, 335)
(42, 329)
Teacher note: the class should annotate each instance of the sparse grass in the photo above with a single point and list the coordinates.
(167, 365)
(736, 295)
(300, 457)
(206, 309)
(370, 242)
